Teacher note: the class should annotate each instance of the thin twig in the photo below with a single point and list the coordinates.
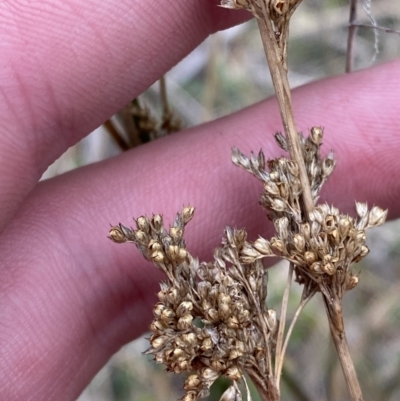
(336, 325)
(164, 96)
(379, 28)
(277, 66)
(120, 141)
(301, 306)
(351, 36)
(281, 329)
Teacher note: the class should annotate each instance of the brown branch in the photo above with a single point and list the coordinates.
(336, 325)
(276, 58)
(351, 36)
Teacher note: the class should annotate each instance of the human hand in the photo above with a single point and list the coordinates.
(69, 297)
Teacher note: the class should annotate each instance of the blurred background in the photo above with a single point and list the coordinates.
(224, 74)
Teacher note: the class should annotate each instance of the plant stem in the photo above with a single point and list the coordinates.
(351, 36)
(301, 306)
(281, 329)
(276, 58)
(336, 325)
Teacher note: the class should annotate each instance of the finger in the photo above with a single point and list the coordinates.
(69, 65)
(63, 282)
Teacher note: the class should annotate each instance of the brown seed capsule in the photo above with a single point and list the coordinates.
(316, 135)
(157, 222)
(141, 237)
(316, 267)
(218, 365)
(233, 322)
(278, 245)
(207, 344)
(212, 315)
(299, 242)
(235, 354)
(274, 176)
(184, 308)
(329, 268)
(157, 257)
(143, 223)
(176, 233)
(159, 341)
(353, 281)
(310, 258)
(154, 246)
(185, 322)
(190, 339)
(233, 373)
(190, 396)
(377, 216)
(192, 382)
(262, 246)
(116, 235)
(271, 188)
(167, 314)
(209, 374)
(187, 214)
(159, 307)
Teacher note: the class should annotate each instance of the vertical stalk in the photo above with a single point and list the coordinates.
(336, 325)
(351, 36)
(277, 65)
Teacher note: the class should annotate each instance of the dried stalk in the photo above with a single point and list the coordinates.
(336, 325)
(277, 61)
(351, 36)
(282, 322)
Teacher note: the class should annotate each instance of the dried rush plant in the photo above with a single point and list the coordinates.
(212, 318)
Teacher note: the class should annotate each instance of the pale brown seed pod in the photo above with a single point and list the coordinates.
(278, 245)
(157, 222)
(176, 234)
(185, 322)
(316, 135)
(218, 365)
(141, 237)
(329, 268)
(232, 322)
(262, 246)
(207, 344)
(184, 308)
(271, 188)
(190, 396)
(167, 314)
(209, 375)
(116, 235)
(154, 246)
(157, 257)
(192, 382)
(143, 223)
(344, 226)
(310, 257)
(316, 267)
(187, 214)
(159, 341)
(353, 281)
(299, 242)
(377, 216)
(233, 373)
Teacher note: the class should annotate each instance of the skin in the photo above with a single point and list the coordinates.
(69, 297)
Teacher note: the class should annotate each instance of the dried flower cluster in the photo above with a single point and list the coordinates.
(212, 319)
(323, 245)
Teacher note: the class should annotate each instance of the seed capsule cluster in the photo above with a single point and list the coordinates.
(211, 318)
(322, 246)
